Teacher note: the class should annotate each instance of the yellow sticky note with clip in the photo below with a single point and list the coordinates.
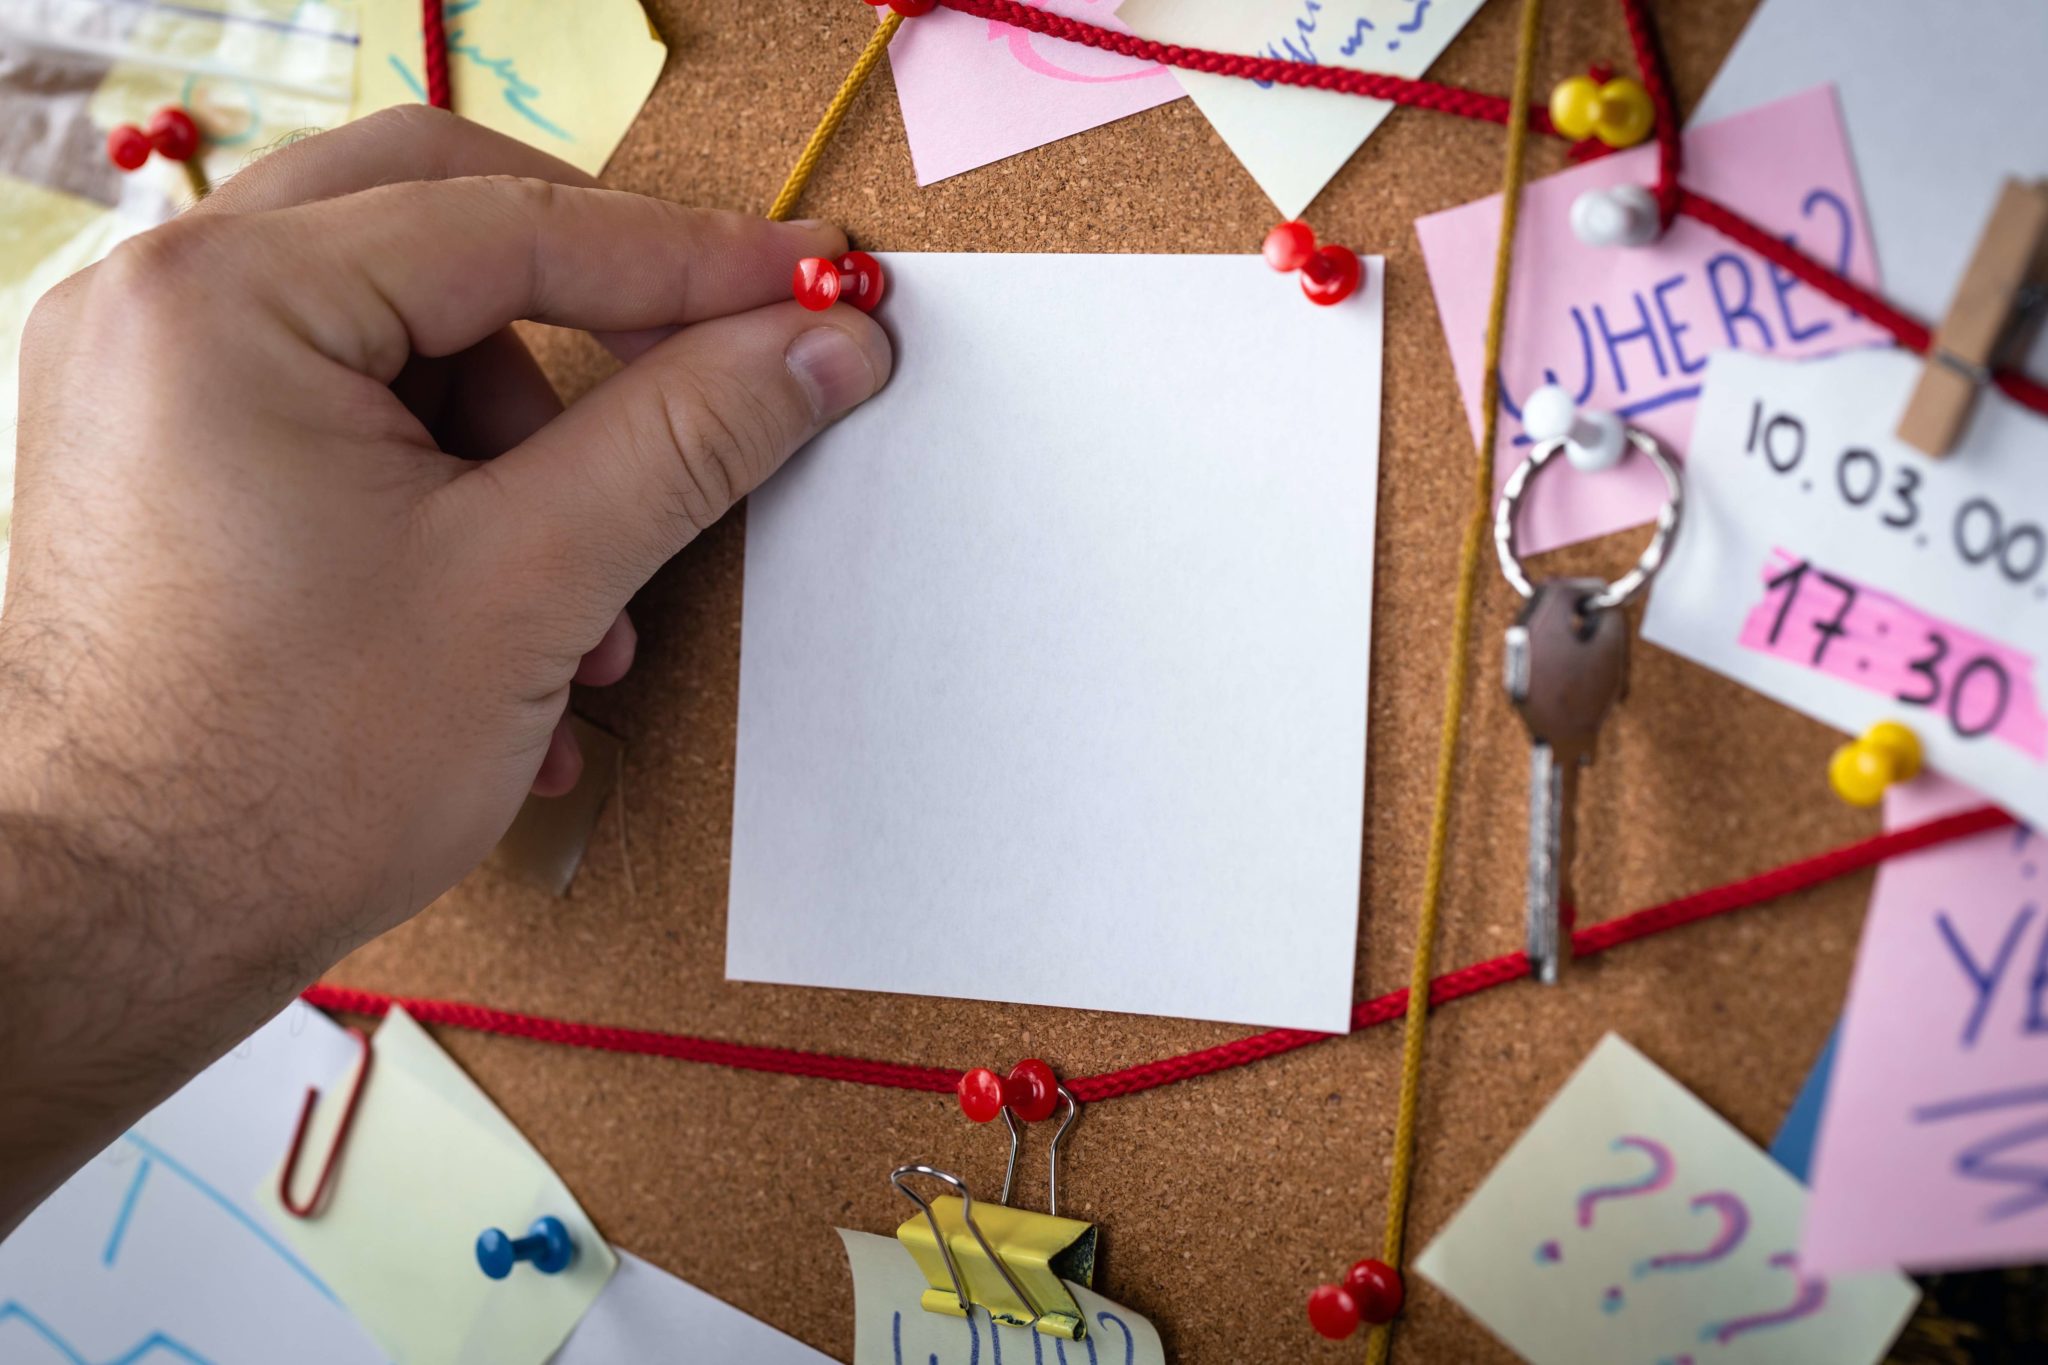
(567, 78)
(1008, 1261)
(425, 1164)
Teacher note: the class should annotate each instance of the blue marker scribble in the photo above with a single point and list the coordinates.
(1289, 50)
(1357, 39)
(522, 94)
(1414, 25)
(127, 1212)
(1130, 1346)
(157, 1346)
(973, 1340)
(234, 1211)
(1983, 1160)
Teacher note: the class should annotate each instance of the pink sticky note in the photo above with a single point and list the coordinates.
(1629, 329)
(1884, 644)
(975, 91)
(1933, 1148)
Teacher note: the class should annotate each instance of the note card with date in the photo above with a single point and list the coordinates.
(892, 1328)
(1630, 329)
(1633, 1225)
(1829, 565)
(1933, 1147)
(1053, 655)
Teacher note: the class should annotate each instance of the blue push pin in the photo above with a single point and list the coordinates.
(547, 1244)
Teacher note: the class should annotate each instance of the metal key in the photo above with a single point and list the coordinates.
(1567, 666)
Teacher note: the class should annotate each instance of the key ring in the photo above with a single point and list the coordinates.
(1623, 589)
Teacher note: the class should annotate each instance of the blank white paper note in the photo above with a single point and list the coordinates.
(1054, 654)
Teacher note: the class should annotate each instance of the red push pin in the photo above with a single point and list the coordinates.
(1031, 1092)
(1371, 1292)
(1329, 274)
(128, 147)
(909, 9)
(857, 278)
(172, 134)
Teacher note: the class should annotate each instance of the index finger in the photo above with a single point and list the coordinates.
(431, 268)
(408, 142)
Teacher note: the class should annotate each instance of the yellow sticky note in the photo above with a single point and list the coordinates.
(428, 1164)
(1631, 1224)
(568, 78)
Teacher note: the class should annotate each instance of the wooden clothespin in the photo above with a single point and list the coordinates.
(1999, 298)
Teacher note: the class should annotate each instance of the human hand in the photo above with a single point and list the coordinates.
(307, 553)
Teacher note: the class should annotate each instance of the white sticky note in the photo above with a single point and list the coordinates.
(890, 1327)
(157, 1250)
(429, 1164)
(647, 1314)
(1633, 1224)
(1054, 655)
(1829, 565)
(1929, 168)
(1293, 140)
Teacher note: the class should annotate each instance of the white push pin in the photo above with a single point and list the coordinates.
(1625, 215)
(1593, 440)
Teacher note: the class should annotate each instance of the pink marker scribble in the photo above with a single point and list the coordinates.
(1873, 640)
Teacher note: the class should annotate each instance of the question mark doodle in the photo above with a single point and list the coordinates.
(1655, 1179)
(1811, 1298)
(1734, 1227)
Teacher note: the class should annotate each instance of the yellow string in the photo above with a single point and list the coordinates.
(1402, 1178)
(835, 113)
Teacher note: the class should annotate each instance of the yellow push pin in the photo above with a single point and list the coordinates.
(1860, 770)
(1618, 112)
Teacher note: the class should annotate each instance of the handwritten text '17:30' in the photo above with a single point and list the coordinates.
(1823, 621)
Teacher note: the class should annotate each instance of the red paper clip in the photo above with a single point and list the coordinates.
(348, 1118)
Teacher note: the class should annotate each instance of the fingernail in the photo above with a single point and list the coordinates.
(810, 224)
(832, 369)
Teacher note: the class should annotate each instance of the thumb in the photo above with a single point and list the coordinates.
(606, 493)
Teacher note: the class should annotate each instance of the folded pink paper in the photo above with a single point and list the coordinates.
(1933, 1147)
(975, 91)
(1629, 329)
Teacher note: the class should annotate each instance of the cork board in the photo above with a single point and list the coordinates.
(1224, 1200)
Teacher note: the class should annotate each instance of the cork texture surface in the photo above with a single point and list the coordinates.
(1223, 1200)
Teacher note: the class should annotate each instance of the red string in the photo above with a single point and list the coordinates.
(1454, 985)
(434, 33)
(1910, 331)
(1445, 99)
(1656, 78)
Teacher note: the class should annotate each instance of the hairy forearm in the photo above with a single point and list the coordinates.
(124, 968)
